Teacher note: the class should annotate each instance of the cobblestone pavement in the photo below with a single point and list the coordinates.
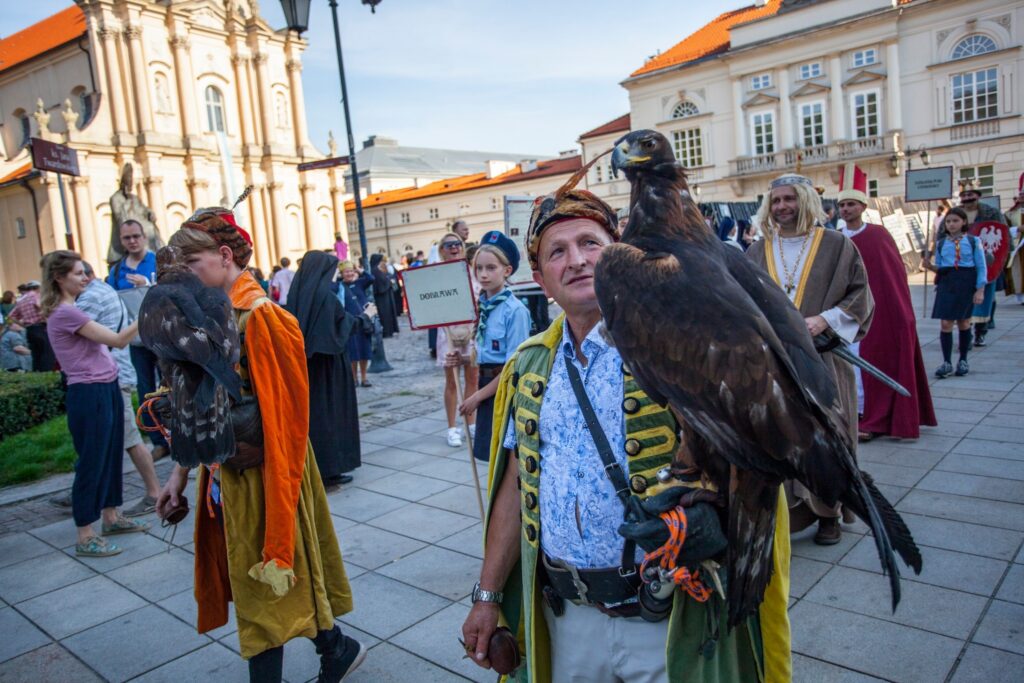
(410, 535)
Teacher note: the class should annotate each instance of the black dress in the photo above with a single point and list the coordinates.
(326, 327)
(383, 298)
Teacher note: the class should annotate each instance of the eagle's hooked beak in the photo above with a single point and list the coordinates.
(621, 158)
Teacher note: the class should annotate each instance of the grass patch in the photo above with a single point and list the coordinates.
(37, 452)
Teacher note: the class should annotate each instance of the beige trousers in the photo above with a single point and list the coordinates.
(588, 646)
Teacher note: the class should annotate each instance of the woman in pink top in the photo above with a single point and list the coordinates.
(94, 404)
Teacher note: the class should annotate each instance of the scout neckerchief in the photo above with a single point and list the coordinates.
(487, 307)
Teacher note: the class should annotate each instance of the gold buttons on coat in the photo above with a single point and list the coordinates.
(632, 447)
(531, 464)
(631, 406)
(531, 533)
(638, 483)
(538, 389)
(530, 427)
(531, 501)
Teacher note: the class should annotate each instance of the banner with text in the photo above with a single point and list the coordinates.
(439, 294)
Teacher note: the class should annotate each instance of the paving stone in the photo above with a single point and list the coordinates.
(989, 488)
(983, 466)
(992, 433)
(49, 663)
(20, 635)
(808, 669)
(974, 510)
(408, 486)
(460, 499)
(804, 573)
(955, 404)
(878, 648)
(371, 547)
(183, 605)
(433, 445)
(361, 505)
(468, 541)
(213, 662)
(984, 665)
(134, 643)
(990, 449)
(945, 416)
(434, 639)
(1012, 589)
(893, 494)
(451, 470)
(135, 547)
(950, 390)
(40, 575)
(900, 455)
(894, 475)
(868, 593)
(957, 429)
(156, 577)
(15, 548)
(59, 534)
(397, 459)
(364, 474)
(945, 568)
(385, 606)
(341, 523)
(1002, 627)
(388, 664)
(802, 545)
(421, 425)
(385, 437)
(432, 524)
(438, 570)
(80, 606)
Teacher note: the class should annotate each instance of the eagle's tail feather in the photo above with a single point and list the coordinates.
(899, 533)
(752, 508)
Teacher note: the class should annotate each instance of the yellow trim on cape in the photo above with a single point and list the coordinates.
(769, 259)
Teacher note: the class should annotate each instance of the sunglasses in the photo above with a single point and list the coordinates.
(452, 246)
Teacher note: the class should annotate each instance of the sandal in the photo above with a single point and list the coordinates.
(97, 546)
(365, 384)
(123, 525)
(864, 437)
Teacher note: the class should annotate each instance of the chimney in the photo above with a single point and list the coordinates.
(497, 168)
(528, 165)
(568, 154)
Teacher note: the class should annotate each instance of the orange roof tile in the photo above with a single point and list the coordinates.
(16, 175)
(473, 181)
(711, 39)
(613, 126)
(53, 31)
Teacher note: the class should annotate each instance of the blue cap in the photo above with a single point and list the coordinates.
(498, 239)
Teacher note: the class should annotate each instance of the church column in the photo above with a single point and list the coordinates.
(892, 87)
(262, 248)
(112, 75)
(87, 233)
(155, 191)
(57, 224)
(263, 94)
(294, 67)
(186, 83)
(240, 63)
(836, 108)
(140, 79)
(277, 224)
(785, 110)
(338, 208)
(309, 215)
(739, 125)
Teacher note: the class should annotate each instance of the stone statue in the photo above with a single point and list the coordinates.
(124, 206)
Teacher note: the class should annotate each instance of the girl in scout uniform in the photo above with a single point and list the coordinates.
(504, 325)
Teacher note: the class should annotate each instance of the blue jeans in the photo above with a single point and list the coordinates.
(144, 362)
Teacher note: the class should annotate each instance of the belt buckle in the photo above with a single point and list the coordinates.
(581, 587)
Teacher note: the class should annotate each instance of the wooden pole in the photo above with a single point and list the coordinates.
(927, 243)
(454, 373)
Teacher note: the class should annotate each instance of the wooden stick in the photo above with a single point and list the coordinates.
(469, 440)
(927, 239)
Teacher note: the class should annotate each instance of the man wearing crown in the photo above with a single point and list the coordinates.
(891, 345)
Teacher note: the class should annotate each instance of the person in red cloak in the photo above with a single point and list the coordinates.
(891, 344)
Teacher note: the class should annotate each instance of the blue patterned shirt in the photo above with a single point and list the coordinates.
(572, 478)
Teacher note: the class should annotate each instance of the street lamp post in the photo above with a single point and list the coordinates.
(296, 13)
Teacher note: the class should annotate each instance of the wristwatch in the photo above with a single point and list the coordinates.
(480, 595)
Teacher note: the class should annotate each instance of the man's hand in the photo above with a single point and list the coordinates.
(137, 280)
(979, 296)
(169, 498)
(477, 630)
(816, 325)
(704, 537)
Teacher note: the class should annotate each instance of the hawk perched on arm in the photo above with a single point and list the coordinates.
(709, 333)
(191, 330)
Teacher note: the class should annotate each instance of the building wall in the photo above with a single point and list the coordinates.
(910, 81)
(153, 68)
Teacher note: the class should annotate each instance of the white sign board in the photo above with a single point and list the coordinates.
(929, 184)
(439, 295)
(518, 210)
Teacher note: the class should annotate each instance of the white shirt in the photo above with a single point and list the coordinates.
(283, 281)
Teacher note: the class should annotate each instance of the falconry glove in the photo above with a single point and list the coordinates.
(704, 536)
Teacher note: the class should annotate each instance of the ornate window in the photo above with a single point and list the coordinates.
(865, 57)
(812, 70)
(19, 228)
(762, 126)
(760, 81)
(25, 124)
(688, 147)
(433, 214)
(975, 95)
(685, 109)
(378, 221)
(812, 124)
(865, 114)
(983, 177)
(84, 106)
(974, 45)
(214, 110)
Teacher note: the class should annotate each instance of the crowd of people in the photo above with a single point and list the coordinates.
(307, 337)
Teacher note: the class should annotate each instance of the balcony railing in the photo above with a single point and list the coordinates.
(978, 129)
(875, 145)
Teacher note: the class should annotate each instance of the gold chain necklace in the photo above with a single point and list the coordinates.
(790, 277)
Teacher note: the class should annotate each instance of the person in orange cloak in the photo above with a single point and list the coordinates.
(263, 536)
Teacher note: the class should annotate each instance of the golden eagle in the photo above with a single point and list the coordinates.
(708, 332)
(191, 330)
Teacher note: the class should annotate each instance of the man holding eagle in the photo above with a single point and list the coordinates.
(638, 525)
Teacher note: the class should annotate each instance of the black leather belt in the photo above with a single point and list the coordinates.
(490, 370)
(599, 587)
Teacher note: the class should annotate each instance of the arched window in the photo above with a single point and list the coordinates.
(214, 110)
(685, 109)
(84, 106)
(25, 124)
(974, 45)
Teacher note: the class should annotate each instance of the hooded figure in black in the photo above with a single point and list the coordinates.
(333, 415)
(382, 296)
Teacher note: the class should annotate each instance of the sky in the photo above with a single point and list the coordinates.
(512, 76)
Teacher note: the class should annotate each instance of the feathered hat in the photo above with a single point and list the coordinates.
(220, 224)
(853, 183)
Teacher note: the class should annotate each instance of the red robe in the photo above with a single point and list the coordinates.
(891, 344)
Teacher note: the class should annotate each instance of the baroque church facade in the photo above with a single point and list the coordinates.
(201, 97)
